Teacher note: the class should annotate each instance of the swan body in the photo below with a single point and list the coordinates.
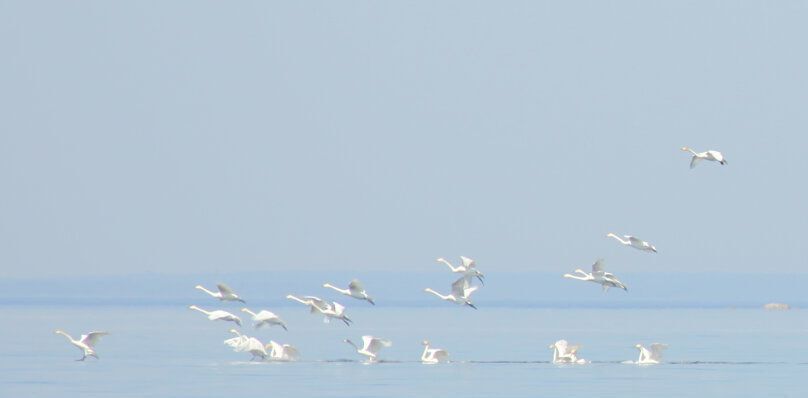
(224, 293)
(599, 276)
(86, 343)
(370, 347)
(563, 352)
(333, 310)
(265, 317)
(433, 355)
(469, 268)
(634, 242)
(651, 355)
(355, 290)
(218, 315)
(710, 155)
(461, 292)
(285, 352)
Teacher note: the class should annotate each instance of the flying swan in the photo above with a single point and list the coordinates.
(218, 315)
(634, 242)
(370, 347)
(461, 292)
(469, 268)
(355, 290)
(225, 293)
(710, 155)
(86, 343)
(599, 276)
(265, 317)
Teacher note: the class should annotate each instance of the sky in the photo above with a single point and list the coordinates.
(213, 137)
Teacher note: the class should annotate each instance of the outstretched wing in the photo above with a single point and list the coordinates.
(459, 286)
(356, 287)
(374, 344)
(656, 350)
(224, 289)
(694, 161)
(597, 267)
(467, 262)
(90, 339)
(321, 304)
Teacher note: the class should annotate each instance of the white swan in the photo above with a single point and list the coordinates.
(469, 268)
(461, 292)
(355, 290)
(370, 346)
(244, 343)
(599, 276)
(265, 317)
(329, 310)
(285, 352)
(634, 242)
(652, 355)
(237, 343)
(218, 315)
(225, 293)
(86, 343)
(565, 353)
(710, 155)
(433, 355)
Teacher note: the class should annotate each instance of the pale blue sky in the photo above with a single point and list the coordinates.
(209, 136)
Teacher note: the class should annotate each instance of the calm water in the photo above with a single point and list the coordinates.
(170, 351)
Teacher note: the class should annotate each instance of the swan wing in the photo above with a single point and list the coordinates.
(90, 339)
(597, 267)
(375, 344)
(469, 290)
(467, 262)
(356, 287)
(694, 161)
(290, 351)
(321, 304)
(459, 286)
(656, 351)
(224, 290)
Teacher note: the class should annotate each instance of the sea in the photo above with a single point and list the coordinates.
(167, 350)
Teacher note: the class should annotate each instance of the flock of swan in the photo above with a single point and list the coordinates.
(460, 294)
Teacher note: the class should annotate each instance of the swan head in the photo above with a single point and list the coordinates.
(193, 307)
(686, 149)
(245, 310)
(425, 342)
(638, 346)
(198, 287)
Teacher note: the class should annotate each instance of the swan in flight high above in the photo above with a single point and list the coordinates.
(433, 355)
(355, 290)
(265, 317)
(370, 346)
(225, 293)
(218, 315)
(652, 355)
(710, 155)
(469, 268)
(599, 276)
(634, 242)
(565, 353)
(285, 352)
(86, 343)
(461, 291)
(329, 310)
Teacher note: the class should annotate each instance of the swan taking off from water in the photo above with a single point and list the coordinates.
(599, 276)
(461, 291)
(469, 268)
(329, 310)
(355, 290)
(433, 355)
(86, 343)
(634, 242)
(652, 355)
(565, 353)
(218, 315)
(225, 293)
(244, 343)
(711, 155)
(285, 352)
(370, 346)
(265, 317)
